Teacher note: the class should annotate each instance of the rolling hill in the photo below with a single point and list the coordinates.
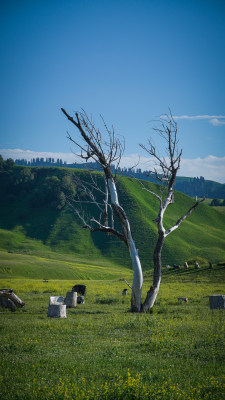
(35, 220)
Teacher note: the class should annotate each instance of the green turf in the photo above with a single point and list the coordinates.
(55, 266)
(104, 352)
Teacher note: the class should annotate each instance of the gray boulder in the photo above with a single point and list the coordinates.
(217, 301)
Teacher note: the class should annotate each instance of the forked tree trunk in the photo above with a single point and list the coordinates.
(107, 152)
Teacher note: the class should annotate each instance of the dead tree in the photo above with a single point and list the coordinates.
(105, 150)
(164, 172)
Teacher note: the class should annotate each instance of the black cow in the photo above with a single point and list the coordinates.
(80, 289)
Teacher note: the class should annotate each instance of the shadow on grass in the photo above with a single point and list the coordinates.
(88, 312)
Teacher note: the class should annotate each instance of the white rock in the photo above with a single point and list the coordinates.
(57, 310)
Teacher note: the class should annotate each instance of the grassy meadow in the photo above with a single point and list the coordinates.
(35, 220)
(102, 351)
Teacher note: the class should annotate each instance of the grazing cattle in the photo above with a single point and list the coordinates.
(80, 289)
(176, 266)
(167, 266)
(196, 265)
(186, 265)
(124, 292)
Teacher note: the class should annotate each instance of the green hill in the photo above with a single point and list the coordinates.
(200, 187)
(35, 220)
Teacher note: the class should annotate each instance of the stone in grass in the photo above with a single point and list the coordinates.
(56, 300)
(71, 299)
(80, 300)
(217, 301)
(185, 299)
(56, 308)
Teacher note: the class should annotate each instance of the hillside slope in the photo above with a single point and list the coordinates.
(35, 219)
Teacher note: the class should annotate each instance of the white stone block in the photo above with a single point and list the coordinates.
(56, 300)
(57, 310)
(71, 299)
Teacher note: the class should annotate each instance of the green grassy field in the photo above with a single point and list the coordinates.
(34, 222)
(102, 351)
(55, 266)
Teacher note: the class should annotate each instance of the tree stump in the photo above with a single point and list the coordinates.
(217, 301)
(9, 299)
(71, 299)
(7, 303)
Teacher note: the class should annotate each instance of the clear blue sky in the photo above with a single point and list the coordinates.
(128, 60)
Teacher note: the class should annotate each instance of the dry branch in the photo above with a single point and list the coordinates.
(10, 294)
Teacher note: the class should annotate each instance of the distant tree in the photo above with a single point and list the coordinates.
(52, 190)
(106, 150)
(8, 164)
(1, 163)
(215, 203)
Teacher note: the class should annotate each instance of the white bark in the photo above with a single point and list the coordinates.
(137, 270)
(113, 192)
(137, 276)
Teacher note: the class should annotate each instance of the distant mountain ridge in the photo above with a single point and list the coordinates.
(191, 186)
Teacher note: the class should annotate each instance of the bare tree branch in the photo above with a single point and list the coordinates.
(127, 283)
(180, 220)
(165, 173)
(148, 190)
